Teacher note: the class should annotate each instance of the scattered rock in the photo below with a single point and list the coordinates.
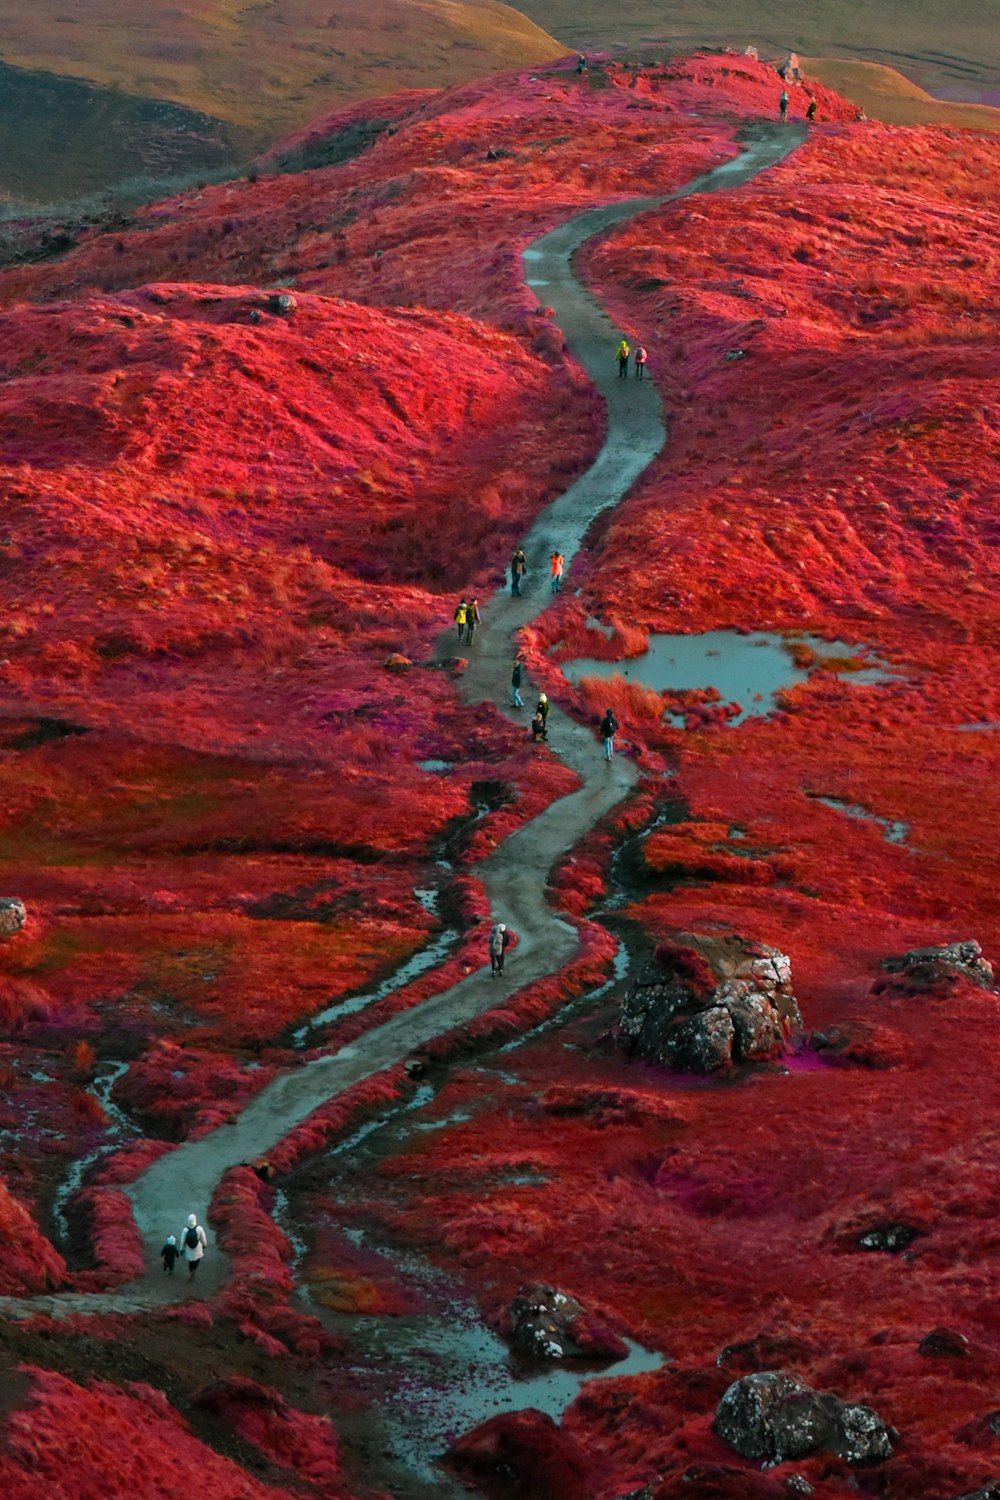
(13, 915)
(394, 662)
(549, 1324)
(797, 1484)
(931, 968)
(890, 1238)
(856, 1044)
(989, 1491)
(944, 1343)
(525, 1449)
(705, 1001)
(282, 303)
(774, 1416)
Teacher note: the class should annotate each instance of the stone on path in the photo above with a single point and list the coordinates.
(704, 1001)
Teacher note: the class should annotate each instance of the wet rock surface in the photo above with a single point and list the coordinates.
(13, 915)
(705, 1001)
(546, 1323)
(775, 1416)
(930, 968)
(944, 1343)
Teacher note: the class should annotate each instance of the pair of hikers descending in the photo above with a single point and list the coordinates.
(191, 1248)
(622, 355)
(467, 617)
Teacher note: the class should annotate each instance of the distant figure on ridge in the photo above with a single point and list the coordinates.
(193, 1242)
(640, 362)
(621, 355)
(515, 683)
(461, 613)
(783, 107)
(581, 64)
(811, 111)
(472, 619)
(497, 945)
(518, 568)
(607, 731)
(169, 1254)
(557, 562)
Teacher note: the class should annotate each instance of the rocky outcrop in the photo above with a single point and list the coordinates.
(13, 915)
(704, 1001)
(944, 1343)
(548, 1324)
(932, 968)
(774, 1416)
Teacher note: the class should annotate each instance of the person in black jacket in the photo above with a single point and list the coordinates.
(607, 731)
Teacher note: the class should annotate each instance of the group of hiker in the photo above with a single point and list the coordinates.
(467, 618)
(623, 354)
(191, 1248)
(784, 102)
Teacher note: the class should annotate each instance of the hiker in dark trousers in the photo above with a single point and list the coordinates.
(811, 111)
(518, 568)
(640, 362)
(515, 684)
(607, 731)
(498, 941)
(472, 619)
(169, 1254)
(193, 1242)
(543, 709)
(783, 106)
(538, 728)
(461, 613)
(621, 355)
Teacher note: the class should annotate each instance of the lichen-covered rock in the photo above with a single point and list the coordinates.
(775, 1416)
(704, 1001)
(929, 968)
(889, 1238)
(13, 915)
(395, 662)
(549, 1324)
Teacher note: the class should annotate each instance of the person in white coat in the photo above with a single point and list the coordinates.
(193, 1242)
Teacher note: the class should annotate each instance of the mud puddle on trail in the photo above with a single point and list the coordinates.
(433, 1370)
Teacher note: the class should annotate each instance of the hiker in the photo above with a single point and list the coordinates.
(581, 64)
(538, 731)
(169, 1254)
(472, 619)
(498, 941)
(811, 111)
(640, 362)
(621, 355)
(193, 1242)
(461, 614)
(607, 731)
(542, 708)
(557, 562)
(518, 568)
(515, 683)
(783, 106)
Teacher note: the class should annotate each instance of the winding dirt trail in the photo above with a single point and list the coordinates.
(515, 874)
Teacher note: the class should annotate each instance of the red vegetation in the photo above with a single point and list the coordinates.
(28, 1263)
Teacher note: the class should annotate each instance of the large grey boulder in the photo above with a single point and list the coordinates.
(774, 1416)
(13, 915)
(704, 1001)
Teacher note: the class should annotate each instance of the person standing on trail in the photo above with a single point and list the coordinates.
(607, 731)
(515, 683)
(783, 107)
(538, 728)
(542, 709)
(621, 355)
(518, 568)
(811, 111)
(498, 941)
(640, 362)
(169, 1254)
(581, 64)
(193, 1242)
(557, 562)
(461, 614)
(472, 619)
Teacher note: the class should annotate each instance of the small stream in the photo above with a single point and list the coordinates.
(118, 1129)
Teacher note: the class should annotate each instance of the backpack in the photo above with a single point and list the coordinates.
(191, 1240)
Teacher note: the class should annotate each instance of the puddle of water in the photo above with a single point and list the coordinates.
(439, 766)
(978, 728)
(592, 623)
(745, 669)
(893, 831)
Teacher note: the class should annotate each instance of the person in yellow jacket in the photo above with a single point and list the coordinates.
(621, 355)
(461, 616)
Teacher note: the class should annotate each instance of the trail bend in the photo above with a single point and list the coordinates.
(515, 874)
